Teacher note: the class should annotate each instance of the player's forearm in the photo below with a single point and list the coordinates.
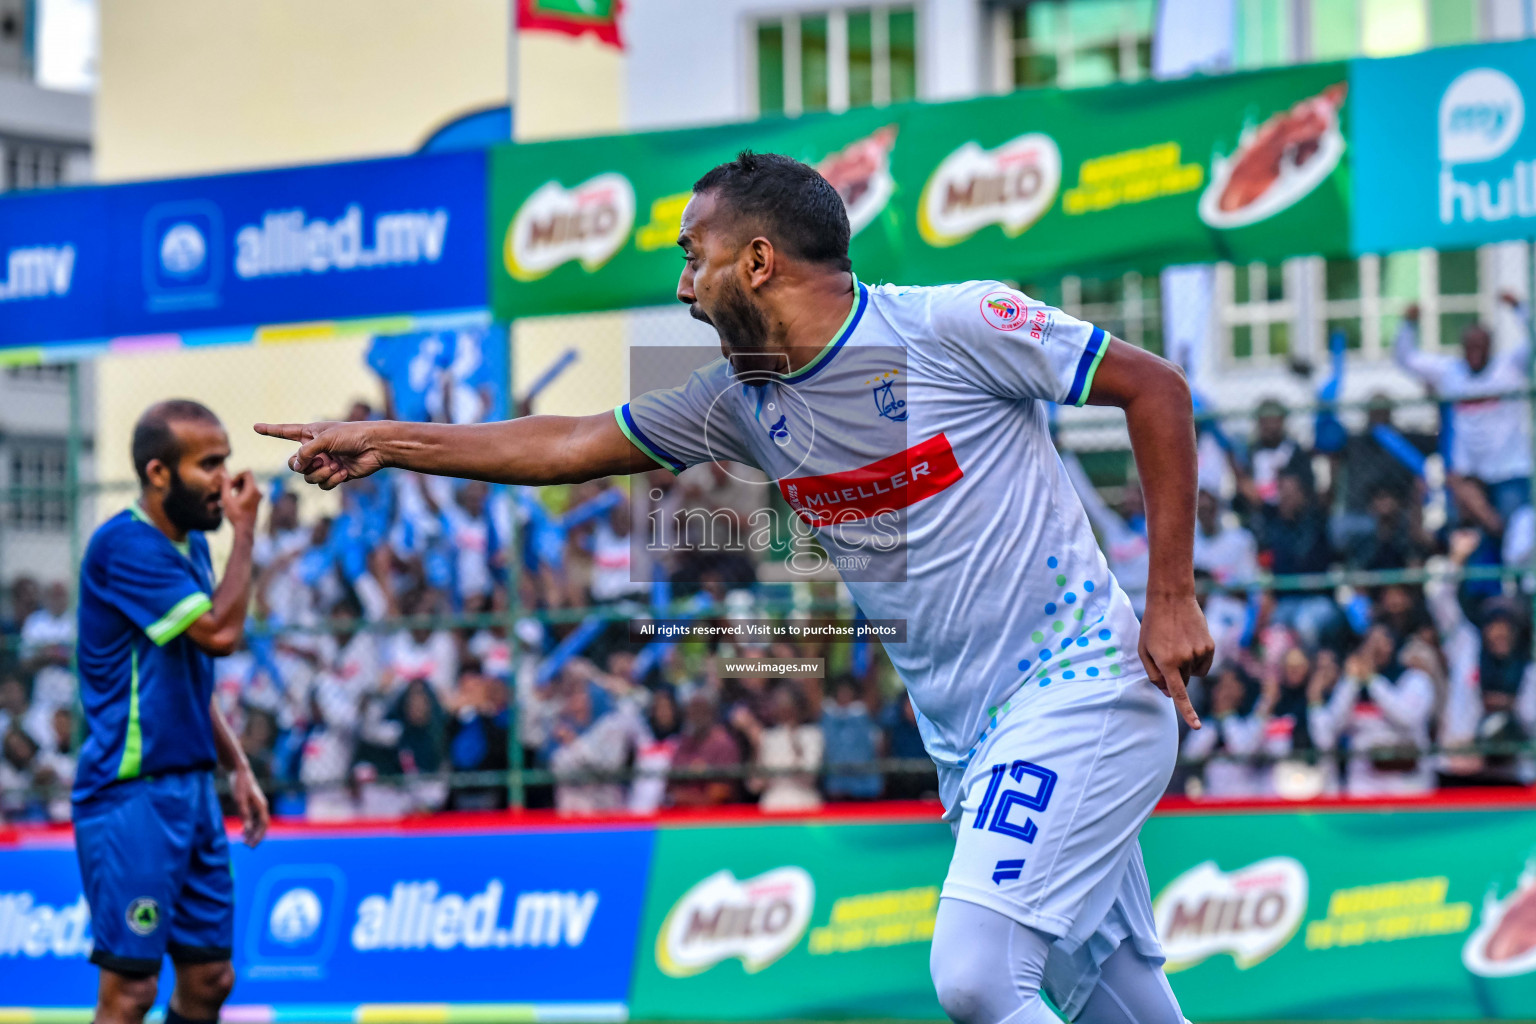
(231, 756)
(1162, 428)
(533, 450)
(218, 631)
(232, 598)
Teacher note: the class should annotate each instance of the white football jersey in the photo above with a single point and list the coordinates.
(916, 445)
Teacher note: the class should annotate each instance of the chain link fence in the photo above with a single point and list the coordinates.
(418, 645)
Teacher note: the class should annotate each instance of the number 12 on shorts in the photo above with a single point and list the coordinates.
(999, 804)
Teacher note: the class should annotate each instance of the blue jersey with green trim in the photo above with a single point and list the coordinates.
(916, 447)
(144, 685)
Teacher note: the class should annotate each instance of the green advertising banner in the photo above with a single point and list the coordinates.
(1284, 915)
(1336, 915)
(1033, 185)
(803, 921)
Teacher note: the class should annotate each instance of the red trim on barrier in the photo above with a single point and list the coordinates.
(882, 812)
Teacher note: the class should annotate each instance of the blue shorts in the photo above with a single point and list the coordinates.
(155, 863)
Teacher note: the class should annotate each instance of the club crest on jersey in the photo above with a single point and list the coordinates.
(889, 402)
(1004, 311)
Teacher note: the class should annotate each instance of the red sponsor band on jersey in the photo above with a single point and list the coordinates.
(886, 485)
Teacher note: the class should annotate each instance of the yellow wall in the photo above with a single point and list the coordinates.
(295, 382)
(568, 87)
(197, 86)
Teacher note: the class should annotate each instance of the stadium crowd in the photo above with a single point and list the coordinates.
(384, 675)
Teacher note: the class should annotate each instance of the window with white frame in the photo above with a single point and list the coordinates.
(1261, 307)
(1072, 43)
(837, 59)
(1128, 306)
(33, 165)
(37, 478)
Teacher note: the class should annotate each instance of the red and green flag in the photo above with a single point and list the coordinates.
(573, 18)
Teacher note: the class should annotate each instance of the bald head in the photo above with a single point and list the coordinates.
(154, 436)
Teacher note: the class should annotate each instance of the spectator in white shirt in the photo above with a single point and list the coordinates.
(1224, 549)
(1385, 710)
(1229, 745)
(47, 646)
(789, 750)
(1492, 686)
(1491, 438)
(422, 652)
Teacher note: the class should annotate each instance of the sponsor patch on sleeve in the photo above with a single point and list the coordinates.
(1007, 311)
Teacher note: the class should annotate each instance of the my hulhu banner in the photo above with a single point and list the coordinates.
(1033, 185)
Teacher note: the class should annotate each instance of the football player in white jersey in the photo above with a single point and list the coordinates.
(908, 426)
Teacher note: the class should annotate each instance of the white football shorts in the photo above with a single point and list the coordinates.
(1049, 811)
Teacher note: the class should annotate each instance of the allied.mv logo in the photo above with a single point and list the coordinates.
(183, 250)
(295, 916)
(183, 255)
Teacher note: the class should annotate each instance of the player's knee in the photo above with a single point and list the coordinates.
(206, 986)
(130, 998)
(963, 992)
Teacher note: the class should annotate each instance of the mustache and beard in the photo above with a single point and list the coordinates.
(743, 327)
(190, 509)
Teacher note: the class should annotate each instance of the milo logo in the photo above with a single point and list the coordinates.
(555, 225)
(1011, 186)
(1249, 913)
(756, 920)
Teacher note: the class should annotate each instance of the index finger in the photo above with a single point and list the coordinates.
(1175, 687)
(286, 431)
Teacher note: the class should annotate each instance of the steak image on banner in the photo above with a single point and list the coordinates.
(1276, 164)
(1504, 943)
(861, 173)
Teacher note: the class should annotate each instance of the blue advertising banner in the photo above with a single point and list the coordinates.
(531, 921)
(333, 241)
(1444, 157)
(53, 266)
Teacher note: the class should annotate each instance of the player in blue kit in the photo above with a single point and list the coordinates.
(148, 830)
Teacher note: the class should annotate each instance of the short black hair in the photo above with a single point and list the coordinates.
(796, 208)
(153, 437)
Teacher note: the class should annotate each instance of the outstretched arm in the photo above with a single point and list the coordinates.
(531, 450)
(1175, 643)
